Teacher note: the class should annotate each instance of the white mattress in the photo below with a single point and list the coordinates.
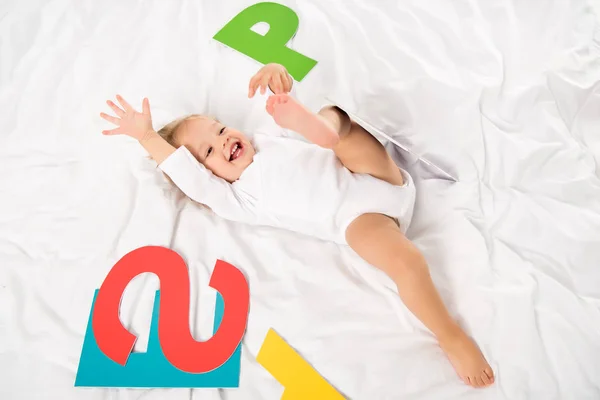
(504, 95)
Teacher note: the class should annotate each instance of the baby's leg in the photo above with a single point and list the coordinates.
(379, 241)
(358, 150)
(331, 128)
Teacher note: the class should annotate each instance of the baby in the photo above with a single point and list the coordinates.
(342, 186)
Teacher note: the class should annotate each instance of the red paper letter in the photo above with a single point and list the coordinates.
(177, 342)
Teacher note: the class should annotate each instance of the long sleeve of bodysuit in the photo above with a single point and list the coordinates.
(202, 186)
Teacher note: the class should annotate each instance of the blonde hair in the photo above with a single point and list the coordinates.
(169, 131)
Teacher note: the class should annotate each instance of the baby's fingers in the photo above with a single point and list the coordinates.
(115, 131)
(287, 81)
(146, 107)
(111, 119)
(277, 86)
(253, 84)
(125, 104)
(264, 83)
(115, 108)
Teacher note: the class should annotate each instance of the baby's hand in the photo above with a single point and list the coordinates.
(275, 76)
(129, 121)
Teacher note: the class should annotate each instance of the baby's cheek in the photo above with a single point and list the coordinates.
(211, 167)
(222, 169)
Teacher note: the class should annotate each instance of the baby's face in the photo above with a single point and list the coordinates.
(226, 152)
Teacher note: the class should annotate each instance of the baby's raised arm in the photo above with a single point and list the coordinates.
(138, 126)
(180, 165)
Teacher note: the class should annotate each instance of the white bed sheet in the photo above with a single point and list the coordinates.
(503, 94)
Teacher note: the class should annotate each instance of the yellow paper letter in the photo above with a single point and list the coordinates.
(298, 377)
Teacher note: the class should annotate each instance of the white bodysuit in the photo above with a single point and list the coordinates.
(294, 185)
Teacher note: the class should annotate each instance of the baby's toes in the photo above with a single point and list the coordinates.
(282, 98)
(481, 381)
(269, 108)
(489, 373)
(271, 101)
(486, 379)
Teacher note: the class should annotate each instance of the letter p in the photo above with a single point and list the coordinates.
(270, 48)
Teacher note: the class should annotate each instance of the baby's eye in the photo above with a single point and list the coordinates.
(209, 151)
(222, 130)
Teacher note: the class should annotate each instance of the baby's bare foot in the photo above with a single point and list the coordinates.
(468, 361)
(290, 114)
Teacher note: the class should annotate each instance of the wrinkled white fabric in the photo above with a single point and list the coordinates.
(504, 94)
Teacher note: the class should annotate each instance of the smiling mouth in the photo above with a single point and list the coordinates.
(236, 151)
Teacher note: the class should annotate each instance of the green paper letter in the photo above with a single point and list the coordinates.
(270, 48)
